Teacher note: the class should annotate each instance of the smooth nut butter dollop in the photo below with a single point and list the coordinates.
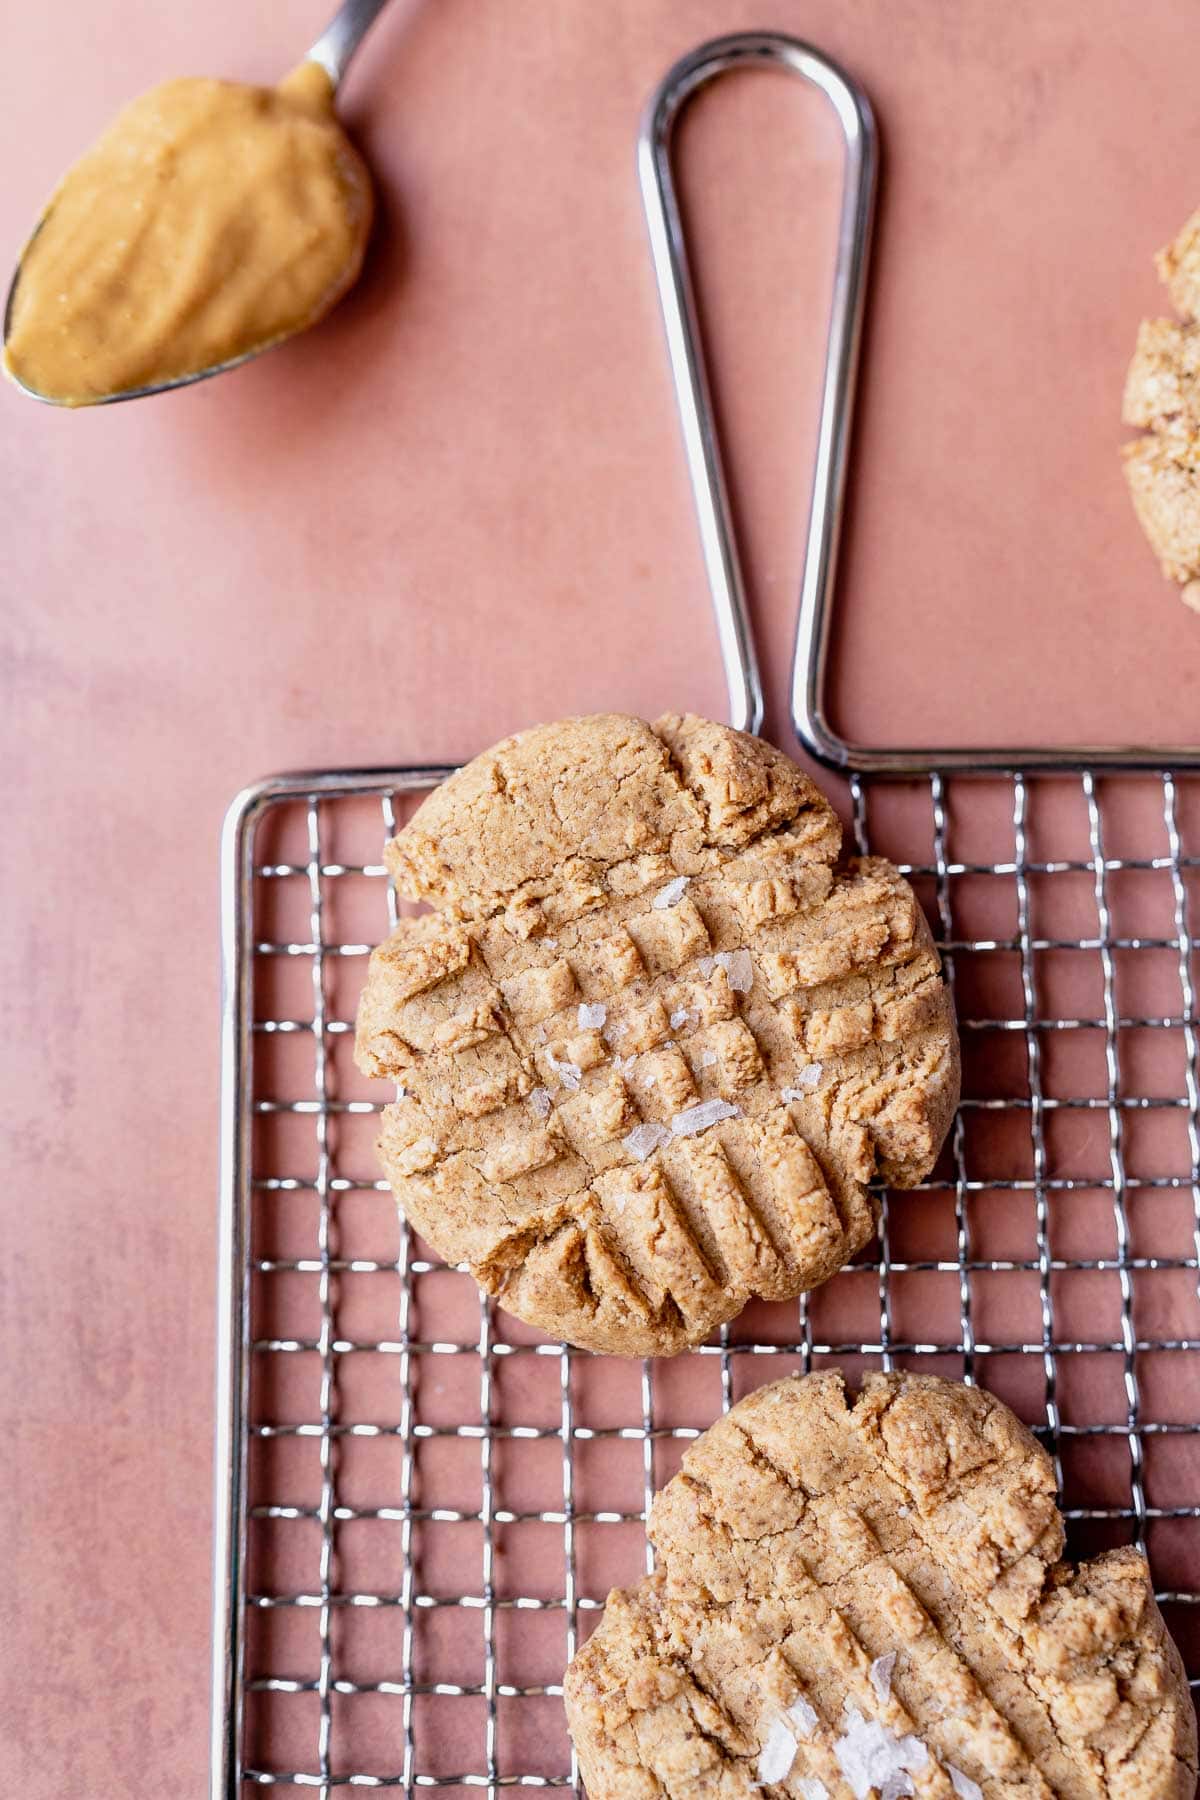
(211, 220)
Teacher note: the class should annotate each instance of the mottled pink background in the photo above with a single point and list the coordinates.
(461, 506)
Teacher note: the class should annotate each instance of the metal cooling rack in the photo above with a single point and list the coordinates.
(420, 1502)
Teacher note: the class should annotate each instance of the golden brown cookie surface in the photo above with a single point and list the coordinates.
(657, 1037)
(867, 1598)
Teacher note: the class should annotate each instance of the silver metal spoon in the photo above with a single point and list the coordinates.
(333, 51)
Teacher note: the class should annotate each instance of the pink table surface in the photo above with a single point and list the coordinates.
(461, 506)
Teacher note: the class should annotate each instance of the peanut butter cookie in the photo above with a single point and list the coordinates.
(868, 1599)
(656, 1038)
(1162, 395)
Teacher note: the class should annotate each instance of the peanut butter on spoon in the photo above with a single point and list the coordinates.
(210, 221)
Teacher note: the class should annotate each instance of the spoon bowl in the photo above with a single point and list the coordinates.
(331, 52)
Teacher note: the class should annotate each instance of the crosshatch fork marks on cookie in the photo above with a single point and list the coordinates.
(867, 1586)
(426, 1547)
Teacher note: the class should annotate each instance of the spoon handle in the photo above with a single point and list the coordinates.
(342, 36)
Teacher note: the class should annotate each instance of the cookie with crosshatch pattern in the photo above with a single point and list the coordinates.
(656, 1038)
(867, 1598)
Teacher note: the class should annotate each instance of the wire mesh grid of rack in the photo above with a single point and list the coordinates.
(432, 1501)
